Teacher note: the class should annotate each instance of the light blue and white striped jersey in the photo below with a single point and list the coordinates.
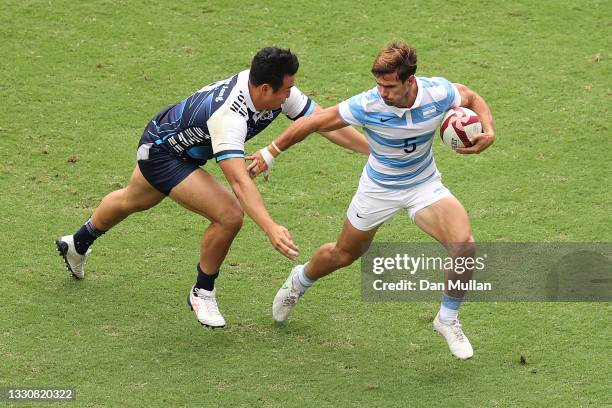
(400, 139)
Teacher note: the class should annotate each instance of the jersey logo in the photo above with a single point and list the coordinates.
(429, 111)
(221, 93)
(383, 120)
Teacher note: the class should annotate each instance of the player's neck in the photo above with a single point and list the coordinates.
(411, 97)
(255, 95)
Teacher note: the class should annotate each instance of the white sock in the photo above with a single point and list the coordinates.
(447, 315)
(301, 281)
(449, 308)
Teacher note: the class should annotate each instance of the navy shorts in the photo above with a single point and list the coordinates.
(163, 169)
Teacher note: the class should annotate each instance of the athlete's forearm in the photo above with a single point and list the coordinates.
(247, 193)
(478, 105)
(349, 138)
(252, 203)
(326, 120)
(475, 102)
(297, 132)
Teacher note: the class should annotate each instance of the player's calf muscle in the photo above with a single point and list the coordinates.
(110, 211)
(118, 205)
(337, 256)
(345, 258)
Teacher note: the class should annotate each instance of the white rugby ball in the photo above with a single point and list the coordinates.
(458, 127)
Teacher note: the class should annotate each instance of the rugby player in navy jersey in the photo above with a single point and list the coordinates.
(400, 116)
(214, 122)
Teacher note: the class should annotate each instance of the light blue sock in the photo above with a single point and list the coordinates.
(449, 309)
(301, 281)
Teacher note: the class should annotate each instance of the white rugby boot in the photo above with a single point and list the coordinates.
(75, 262)
(458, 343)
(204, 304)
(286, 298)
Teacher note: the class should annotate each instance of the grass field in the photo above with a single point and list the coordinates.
(79, 81)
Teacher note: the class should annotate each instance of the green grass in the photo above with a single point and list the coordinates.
(79, 81)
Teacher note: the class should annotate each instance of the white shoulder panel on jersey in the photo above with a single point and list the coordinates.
(228, 131)
(441, 90)
(228, 125)
(297, 104)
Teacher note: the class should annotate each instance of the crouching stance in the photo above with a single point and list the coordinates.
(215, 122)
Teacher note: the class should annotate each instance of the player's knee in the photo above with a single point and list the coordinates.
(232, 219)
(465, 248)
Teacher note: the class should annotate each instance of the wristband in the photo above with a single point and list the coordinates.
(267, 156)
(276, 147)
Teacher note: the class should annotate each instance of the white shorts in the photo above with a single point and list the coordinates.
(372, 204)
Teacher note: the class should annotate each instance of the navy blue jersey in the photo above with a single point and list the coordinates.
(217, 120)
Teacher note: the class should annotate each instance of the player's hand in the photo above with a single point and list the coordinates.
(281, 240)
(257, 166)
(479, 143)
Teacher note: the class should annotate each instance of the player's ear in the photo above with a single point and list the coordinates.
(266, 88)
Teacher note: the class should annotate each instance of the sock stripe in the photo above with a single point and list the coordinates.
(304, 279)
(85, 236)
(92, 229)
(301, 281)
(451, 302)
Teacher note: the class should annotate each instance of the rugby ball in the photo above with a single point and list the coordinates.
(458, 127)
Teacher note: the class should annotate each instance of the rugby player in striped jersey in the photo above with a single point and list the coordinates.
(399, 116)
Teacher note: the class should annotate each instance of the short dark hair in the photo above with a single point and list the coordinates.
(396, 56)
(271, 64)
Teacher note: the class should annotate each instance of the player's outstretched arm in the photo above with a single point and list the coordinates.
(347, 137)
(252, 203)
(475, 102)
(326, 120)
